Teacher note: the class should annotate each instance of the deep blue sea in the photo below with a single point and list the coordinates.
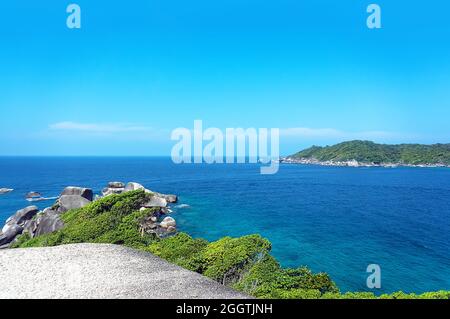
(336, 220)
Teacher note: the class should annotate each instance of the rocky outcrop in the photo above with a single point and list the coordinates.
(170, 198)
(132, 186)
(150, 224)
(20, 217)
(33, 194)
(160, 200)
(113, 188)
(86, 193)
(157, 223)
(169, 225)
(45, 222)
(29, 220)
(7, 237)
(116, 185)
(156, 201)
(5, 190)
(68, 202)
(15, 225)
(73, 198)
(168, 222)
(34, 223)
(49, 222)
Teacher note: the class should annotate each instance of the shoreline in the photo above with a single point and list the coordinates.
(354, 163)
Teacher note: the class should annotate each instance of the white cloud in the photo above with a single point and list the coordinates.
(98, 127)
(310, 132)
(331, 133)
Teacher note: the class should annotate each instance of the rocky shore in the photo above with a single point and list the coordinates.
(32, 221)
(350, 163)
(5, 190)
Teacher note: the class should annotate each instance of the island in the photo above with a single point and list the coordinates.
(367, 154)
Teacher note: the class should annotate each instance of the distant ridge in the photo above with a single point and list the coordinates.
(367, 153)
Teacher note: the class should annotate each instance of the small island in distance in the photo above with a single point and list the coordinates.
(366, 153)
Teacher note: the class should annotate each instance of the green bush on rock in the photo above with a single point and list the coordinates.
(180, 249)
(266, 279)
(243, 263)
(227, 259)
(113, 219)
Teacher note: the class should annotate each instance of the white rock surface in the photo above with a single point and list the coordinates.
(168, 222)
(5, 190)
(156, 202)
(100, 271)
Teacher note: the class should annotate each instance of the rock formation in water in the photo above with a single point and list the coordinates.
(5, 190)
(35, 223)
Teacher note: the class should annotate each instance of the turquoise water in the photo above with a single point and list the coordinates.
(336, 220)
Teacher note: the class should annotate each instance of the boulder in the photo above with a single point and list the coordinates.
(165, 211)
(15, 225)
(79, 191)
(20, 217)
(31, 226)
(110, 191)
(33, 195)
(7, 225)
(74, 197)
(161, 232)
(168, 222)
(5, 190)
(156, 201)
(25, 214)
(169, 197)
(171, 229)
(48, 222)
(7, 237)
(68, 202)
(132, 186)
(116, 185)
(113, 188)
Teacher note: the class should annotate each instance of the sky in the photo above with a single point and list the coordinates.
(136, 70)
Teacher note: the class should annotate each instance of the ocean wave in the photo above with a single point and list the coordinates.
(40, 199)
(181, 206)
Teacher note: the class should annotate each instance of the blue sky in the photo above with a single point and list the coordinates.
(139, 69)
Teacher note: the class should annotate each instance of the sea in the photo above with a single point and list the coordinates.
(337, 220)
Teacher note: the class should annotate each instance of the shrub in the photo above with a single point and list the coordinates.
(180, 249)
(227, 259)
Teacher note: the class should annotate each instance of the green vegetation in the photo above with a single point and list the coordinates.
(244, 264)
(370, 152)
(113, 219)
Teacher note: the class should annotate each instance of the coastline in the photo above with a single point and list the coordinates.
(355, 163)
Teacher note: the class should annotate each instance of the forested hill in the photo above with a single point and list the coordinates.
(372, 153)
